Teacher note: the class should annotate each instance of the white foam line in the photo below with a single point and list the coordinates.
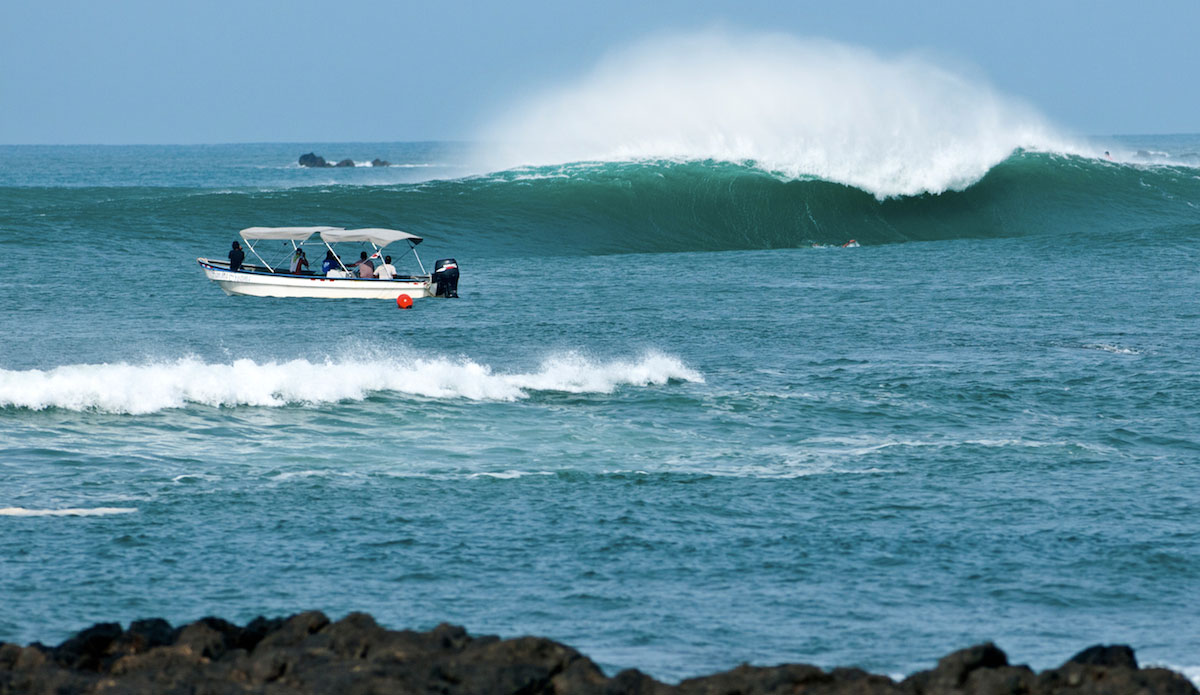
(507, 475)
(147, 388)
(73, 511)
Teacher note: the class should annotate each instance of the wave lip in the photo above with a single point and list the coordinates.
(800, 108)
(151, 387)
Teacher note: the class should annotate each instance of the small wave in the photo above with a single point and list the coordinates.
(71, 511)
(508, 475)
(147, 388)
(193, 478)
(1116, 349)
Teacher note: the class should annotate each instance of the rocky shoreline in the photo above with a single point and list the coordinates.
(307, 653)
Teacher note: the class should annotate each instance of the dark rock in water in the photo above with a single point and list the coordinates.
(380, 162)
(345, 163)
(307, 653)
(313, 160)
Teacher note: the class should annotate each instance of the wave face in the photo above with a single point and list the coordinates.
(709, 206)
(641, 207)
(800, 108)
(151, 387)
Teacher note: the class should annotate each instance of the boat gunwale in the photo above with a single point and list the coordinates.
(214, 265)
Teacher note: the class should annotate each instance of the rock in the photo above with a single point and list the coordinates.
(306, 653)
(88, 650)
(202, 640)
(143, 635)
(1106, 655)
(380, 162)
(313, 160)
(345, 163)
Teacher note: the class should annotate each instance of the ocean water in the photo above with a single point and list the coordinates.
(670, 421)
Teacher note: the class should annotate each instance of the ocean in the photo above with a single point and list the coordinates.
(671, 421)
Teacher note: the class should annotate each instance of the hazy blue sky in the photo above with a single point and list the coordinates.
(154, 71)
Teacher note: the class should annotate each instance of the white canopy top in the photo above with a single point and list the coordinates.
(379, 237)
(285, 233)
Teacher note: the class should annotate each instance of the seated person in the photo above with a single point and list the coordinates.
(366, 268)
(331, 262)
(387, 271)
(299, 263)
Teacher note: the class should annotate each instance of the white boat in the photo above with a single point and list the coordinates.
(341, 283)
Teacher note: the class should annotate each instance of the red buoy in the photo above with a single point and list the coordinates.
(404, 301)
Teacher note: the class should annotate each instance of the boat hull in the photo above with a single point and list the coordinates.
(264, 284)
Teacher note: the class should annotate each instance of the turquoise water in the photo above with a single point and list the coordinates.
(669, 422)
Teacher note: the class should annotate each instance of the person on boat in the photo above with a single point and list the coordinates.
(236, 256)
(366, 268)
(299, 262)
(387, 271)
(330, 262)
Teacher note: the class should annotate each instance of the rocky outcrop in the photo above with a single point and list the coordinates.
(313, 160)
(307, 653)
(316, 161)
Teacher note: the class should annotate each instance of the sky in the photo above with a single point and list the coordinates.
(220, 71)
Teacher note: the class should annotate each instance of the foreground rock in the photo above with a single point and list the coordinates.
(306, 653)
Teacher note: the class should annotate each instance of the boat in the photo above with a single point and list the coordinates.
(267, 280)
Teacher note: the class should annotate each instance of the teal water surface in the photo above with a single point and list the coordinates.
(659, 425)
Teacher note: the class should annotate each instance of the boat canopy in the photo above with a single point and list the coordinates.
(379, 237)
(285, 233)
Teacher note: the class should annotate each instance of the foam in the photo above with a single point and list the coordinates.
(1115, 349)
(97, 511)
(800, 108)
(155, 386)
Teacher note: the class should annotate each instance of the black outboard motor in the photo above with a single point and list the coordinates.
(445, 275)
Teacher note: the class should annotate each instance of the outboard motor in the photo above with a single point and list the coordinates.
(445, 276)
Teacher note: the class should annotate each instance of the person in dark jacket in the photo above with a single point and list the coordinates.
(236, 256)
(330, 262)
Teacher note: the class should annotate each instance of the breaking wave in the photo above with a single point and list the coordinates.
(658, 206)
(798, 108)
(151, 387)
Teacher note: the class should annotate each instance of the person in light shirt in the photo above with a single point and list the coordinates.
(386, 271)
(299, 263)
(366, 267)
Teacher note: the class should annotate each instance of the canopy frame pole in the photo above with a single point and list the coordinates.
(335, 255)
(286, 260)
(376, 253)
(413, 247)
(260, 258)
(419, 263)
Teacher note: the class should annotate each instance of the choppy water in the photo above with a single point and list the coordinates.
(659, 425)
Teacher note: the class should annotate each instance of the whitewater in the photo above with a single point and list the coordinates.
(147, 388)
(891, 126)
(671, 421)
